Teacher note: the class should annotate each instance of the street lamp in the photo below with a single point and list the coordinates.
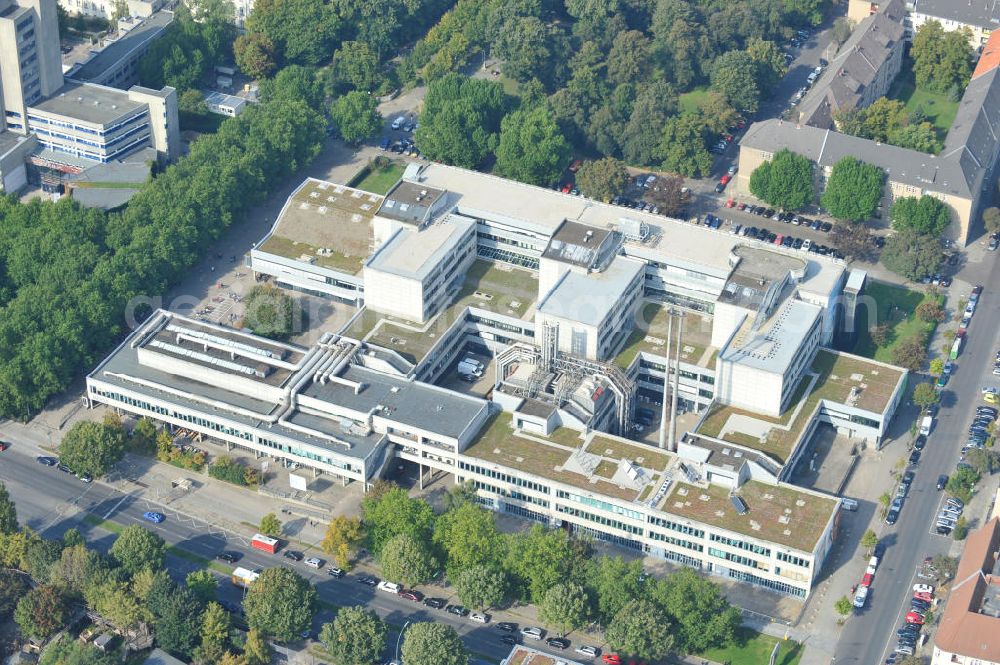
(400, 638)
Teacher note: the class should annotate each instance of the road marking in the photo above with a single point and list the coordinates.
(115, 507)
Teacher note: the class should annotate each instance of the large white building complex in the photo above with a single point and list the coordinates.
(53, 130)
(592, 316)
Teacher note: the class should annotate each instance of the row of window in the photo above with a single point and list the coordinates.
(504, 477)
(674, 526)
(679, 542)
(514, 494)
(739, 544)
(792, 559)
(735, 558)
(598, 519)
(601, 505)
(774, 585)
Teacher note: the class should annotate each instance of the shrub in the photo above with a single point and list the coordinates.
(231, 471)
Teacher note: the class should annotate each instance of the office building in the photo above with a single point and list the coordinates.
(116, 62)
(979, 17)
(969, 631)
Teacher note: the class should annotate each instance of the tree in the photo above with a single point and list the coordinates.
(254, 54)
(280, 603)
(983, 460)
(294, 82)
(700, 614)
(343, 536)
(962, 483)
(926, 215)
(202, 584)
(602, 179)
(925, 396)
(869, 540)
(481, 586)
(565, 607)
(136, 549)
(853, 190)
(192, 101)
(356, 116)
(178, 622)
(270, 525)
(640, 629)
(355, 636)
(920, 136)
(668, 195)
(407, 560)
(937, 367)
(303, 32)
(612, 582)
(90, 447)
(13, 585)
(75, 652)
(531, 147)
(8, 513)
(256, 650)
(946, 566)
(717, 114)
(961, 529)
(76, 569)
(912, 255)
(884, 500)
(770, 61)
(460, 120)
(842, 29)
(467, 536)
(215, 627)
(393, 513)
(785, 181)
(854, 240)
(991, 219)
(40, 612)
(426, 643)
(911, 352)
(941, 59)
(682, 146)
(735, 75)
(654, 103)
(880, 334)
(540, 558)
(930, 311)
(40, 555)
(271, 312)
(356, 66)
(844, 606)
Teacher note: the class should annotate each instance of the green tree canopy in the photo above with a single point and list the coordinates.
(77, 569)
(394, 513)
(701, 615)
(640, 629)
(75, 652)
(356, 66)
(481, 586)
(962, 483)
(460, 120)
(407, 560)
(468, 536)
(853, 190)
(941, 59)
(280, 603)
(8, 513)
(565, 607)
(90, 447)
(13, 586)
(531, 147)
(612, 583)
(785, 181)
(214, 633)
(303, 32)
(294, 83)
(203, 584)
(271, 312)
(343, 536)
(254, 54)
(924, 395)
(355, 636)
(178, 622)
(926, 215)
(602, 179)
(40, 612)
(136, 549)
(735, 74)
(682, 146)
(912, 254)
(540, 558)
(426, 643)
(356, 116)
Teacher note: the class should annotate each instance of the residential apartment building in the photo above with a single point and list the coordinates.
(863, 69)
(30, 65)
(979, 17)
(961, 176)
(108, 9)
(969, 630)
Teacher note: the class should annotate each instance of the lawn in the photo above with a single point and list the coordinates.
(753, 648)
(896, 307)
(936, 106)
(691, 101)
(379, 181)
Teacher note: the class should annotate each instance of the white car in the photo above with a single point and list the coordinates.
(390, 587)
(990, 390)
(480, 618)
(587, 650)
(923, 588)
(313, 562)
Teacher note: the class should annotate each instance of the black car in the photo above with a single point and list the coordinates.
(906, 630)
(909, 476)
(943, 530)
(914, 457)
(879, 549)
(293, 555)
(47, 461)
(435, 603)
(368, 580)
(457, 610)
(919, 443)
(508, 639)
(228, 557)
(825, 227)
(920, 605)
(63, 468)
(557, 642)
(942, 481)
(507, 626)
(891, 517)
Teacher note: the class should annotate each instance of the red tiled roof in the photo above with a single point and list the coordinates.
(963, 630)
(990, 57)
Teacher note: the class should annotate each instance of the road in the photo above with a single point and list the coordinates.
(51, 502)
(868, 638)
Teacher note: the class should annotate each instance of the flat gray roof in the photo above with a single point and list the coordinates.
(416, 404)
(578, 244)
(773, 347)
(86, 102)
(410, 201)
(415, 254)
(982, 13)
(587, 298)
(9, 139)
(113, 53)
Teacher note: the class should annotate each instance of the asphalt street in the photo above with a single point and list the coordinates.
(51, 502)
(870, 636)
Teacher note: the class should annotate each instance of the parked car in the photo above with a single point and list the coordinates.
(557, 642)
(228, 557)
(923, 588)
(507, 626)
(611, 659)
(434, 603)
(410, 594)
(480, 618)
(508, 639)
(942, 481)
(588, 651)
(457, 610)
(293, 555)
(313, 562)
(532, 632)
(335, 573)
(368, 580)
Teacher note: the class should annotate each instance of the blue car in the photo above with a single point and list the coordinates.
(153, 517)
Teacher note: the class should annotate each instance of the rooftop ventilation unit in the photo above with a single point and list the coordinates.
(739, 504)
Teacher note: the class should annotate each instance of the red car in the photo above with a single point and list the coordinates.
(867, 579)
(915, 617)
(4, 446)
(730, 203)
(725, 179)
(566, 187)
(924, 596)
(778, 239)
(611, 659)
(415, 596)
